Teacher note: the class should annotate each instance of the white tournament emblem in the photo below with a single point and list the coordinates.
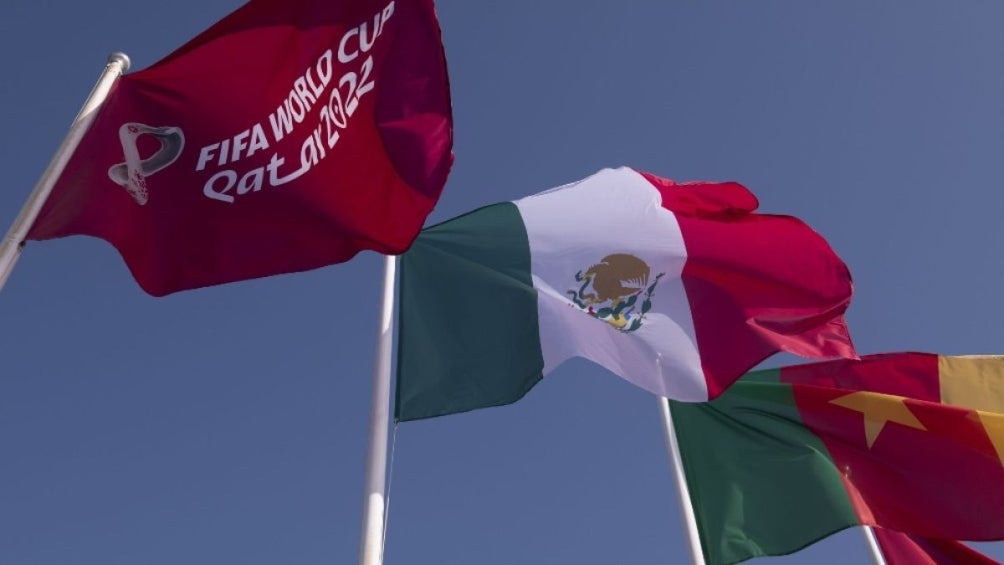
(132, 174)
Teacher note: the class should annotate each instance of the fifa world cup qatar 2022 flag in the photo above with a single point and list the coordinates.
(908, 442)
(290, 135)
(678, 288)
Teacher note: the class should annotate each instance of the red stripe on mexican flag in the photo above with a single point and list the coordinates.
(759, 283)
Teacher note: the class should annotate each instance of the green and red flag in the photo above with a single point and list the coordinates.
(909, 442)
(679, 288)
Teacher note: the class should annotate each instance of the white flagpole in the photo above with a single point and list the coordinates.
(372, 539)
(689, 519)
(873, 545)
(877, 556)
(13, 242)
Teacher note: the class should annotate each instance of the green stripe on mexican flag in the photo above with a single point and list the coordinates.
(678, 288)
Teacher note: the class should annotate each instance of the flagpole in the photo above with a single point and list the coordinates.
(689, 519)
(877, 556)
(873, 545)
(372, 539)
(13, 242)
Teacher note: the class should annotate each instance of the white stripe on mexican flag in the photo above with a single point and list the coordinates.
(678, 288)
(661, 355)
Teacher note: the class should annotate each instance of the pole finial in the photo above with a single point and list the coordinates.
(122, 58)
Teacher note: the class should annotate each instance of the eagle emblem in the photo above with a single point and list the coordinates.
(617, 290)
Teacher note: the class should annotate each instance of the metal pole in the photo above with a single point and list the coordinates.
(869, 534)
(873, 545)
(13, 242)
(689, 519)
(371, 543)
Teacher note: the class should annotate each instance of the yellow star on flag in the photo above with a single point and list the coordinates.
(878, 409)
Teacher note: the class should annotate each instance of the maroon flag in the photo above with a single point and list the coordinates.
(290, 135)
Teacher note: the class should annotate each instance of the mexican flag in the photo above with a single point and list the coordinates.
(678, 288)
(909, 442)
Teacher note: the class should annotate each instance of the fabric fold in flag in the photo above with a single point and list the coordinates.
(677, 288)
(289, 136)
(909, 442)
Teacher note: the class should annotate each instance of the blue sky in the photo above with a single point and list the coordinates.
(227, 425)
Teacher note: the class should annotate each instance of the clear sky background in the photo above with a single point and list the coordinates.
(227, 425)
